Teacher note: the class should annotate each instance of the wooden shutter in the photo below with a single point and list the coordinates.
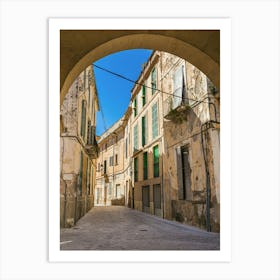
(135, 169)
(177, 87)
(135, 106)
(180, 174)
(145, 166)
(143, 131)
(156, 161)
(155, 120)
(135, 137)
(143, 95)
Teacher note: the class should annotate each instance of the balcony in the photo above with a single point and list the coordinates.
(175, 110)
(92, 151)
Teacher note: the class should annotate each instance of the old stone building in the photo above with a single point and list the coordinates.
(147, 139)
(78, 148)
(113, 165)
(170, 140)
(191, 145)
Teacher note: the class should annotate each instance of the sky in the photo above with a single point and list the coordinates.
(114, 92)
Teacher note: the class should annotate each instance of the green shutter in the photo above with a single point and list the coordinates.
(135, 137)
(135, 169)
(143, 95)
(155, 120)
(145, 166)
(143, 131)
(135, 106)
(156, 161)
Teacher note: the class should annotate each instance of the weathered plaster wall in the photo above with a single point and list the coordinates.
(185, 129)
(76, 198)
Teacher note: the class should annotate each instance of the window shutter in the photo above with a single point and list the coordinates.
(179, 173)
(143, 131)
(143, 95)
(145, 166)
(177, 87)
(89, 132)
(156, 161)
(155, 120)
(135, 169)
(135, 106)
(135, 137)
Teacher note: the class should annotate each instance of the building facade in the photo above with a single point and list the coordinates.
(114, 165)
(171, 144)
(78, 148)
(147, 139)
(192, 145)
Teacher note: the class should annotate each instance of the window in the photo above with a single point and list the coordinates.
(143, 95)
(116, 159)
(135, 106)
(83, 120)
(155, 120)
(145, 166)
(154, 80)
(88, 132)
(135, 137)
(105, 167)
(144, 131)
(135, 169)
(111, 161)
(178, 87)
(92, 138)
(156, 161)
(184, 173)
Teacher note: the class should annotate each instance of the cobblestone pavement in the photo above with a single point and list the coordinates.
(121, 228)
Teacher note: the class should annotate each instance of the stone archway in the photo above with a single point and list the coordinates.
(79, 48)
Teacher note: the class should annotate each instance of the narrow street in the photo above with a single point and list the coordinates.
(121, 228)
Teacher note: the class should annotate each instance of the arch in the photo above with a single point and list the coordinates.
(79, 48)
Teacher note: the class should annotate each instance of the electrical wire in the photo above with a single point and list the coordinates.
(141, 84)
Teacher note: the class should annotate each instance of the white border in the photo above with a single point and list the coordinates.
(55, 255)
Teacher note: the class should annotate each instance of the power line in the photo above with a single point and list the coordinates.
(141, 84)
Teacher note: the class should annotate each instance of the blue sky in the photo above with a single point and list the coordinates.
(113, 92)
